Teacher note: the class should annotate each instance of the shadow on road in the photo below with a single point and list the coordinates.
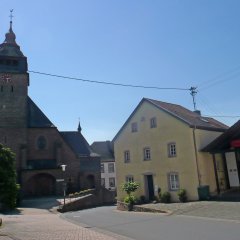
(40, 203)
(36, 204)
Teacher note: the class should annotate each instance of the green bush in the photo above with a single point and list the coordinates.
(8, 187)
(130, 187)
(81, 193)
(130, 199)
(165, 197)
(182, 195)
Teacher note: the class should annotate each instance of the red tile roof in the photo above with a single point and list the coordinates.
(193, 119)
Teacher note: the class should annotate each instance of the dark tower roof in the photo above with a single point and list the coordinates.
(79, 127)
(11, 56)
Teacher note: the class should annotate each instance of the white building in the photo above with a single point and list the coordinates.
(108, 170)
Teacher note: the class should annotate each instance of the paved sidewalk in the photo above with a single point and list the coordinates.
(209, 209)
(47, 227)
(31, 223)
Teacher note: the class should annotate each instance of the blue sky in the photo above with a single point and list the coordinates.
(171, 43)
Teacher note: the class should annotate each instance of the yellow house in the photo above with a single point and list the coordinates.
(159, 147)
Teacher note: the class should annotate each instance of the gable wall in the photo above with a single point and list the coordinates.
(169, 129)
(56, 149)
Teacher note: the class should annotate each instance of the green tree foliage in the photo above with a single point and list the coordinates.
(8, 186)
(129, 188)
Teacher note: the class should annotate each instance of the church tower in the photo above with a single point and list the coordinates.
(14, 81)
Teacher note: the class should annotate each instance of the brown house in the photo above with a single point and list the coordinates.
(39, 147)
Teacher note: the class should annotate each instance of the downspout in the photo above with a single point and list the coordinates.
(196, 155)
(216, 174)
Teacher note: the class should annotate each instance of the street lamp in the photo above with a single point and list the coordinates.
(63, 166)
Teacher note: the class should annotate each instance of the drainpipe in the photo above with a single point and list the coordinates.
(216, 174)
(196, 155)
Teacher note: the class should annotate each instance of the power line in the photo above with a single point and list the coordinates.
(228, 75)
(219, 116)
(205, 103)
(193, 90)
(211, 84)
(111, 83)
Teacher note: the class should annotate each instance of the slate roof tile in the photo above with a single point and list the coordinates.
(104, 149)
(77, 143)
(36, 118)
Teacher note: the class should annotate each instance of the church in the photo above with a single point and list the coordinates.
(40, 148)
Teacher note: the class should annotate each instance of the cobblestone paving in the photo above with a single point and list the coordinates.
(48, 227)
(209, 209)
(40, 224)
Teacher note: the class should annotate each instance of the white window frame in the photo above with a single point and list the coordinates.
(111, 168)
(127, 156)
(147, 154)
(112, 182)
(153, 122)
(134, 127)
(129, 178)
(172, 149)
(102, 168)
(173, 181)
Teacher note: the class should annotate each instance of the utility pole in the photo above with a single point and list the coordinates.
(193, 93)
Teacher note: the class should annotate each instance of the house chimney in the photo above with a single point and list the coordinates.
(198, 112)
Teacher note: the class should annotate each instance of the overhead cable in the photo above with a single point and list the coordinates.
(110, 83)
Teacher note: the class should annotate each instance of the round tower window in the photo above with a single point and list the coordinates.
(41, 142)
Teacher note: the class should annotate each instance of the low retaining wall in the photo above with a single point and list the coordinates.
(95, 198)
(121, 206)
(81, 203)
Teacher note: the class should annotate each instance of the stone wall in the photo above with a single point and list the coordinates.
(97, 198)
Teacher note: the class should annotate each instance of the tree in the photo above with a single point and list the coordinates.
(129, 188)
(8, 186)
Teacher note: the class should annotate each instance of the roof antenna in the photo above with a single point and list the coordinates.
(193, 93)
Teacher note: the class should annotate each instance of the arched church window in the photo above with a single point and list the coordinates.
(41, 143)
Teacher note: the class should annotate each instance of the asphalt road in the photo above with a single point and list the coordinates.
(150, 226)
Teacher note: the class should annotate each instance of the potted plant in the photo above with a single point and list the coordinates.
(129, 188)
